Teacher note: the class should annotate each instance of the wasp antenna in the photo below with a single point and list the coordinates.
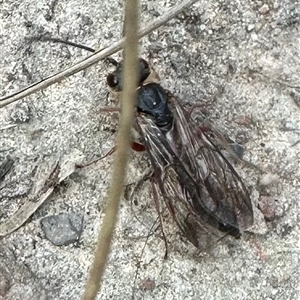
(57, 40)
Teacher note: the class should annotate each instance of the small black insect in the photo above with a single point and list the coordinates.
(203, 193)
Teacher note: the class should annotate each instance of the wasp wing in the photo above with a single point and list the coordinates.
(200, 188)
(227, 196)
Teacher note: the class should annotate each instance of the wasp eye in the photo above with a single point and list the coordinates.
(144, 64)
(144, 70)
(111, 80)
(112, 61)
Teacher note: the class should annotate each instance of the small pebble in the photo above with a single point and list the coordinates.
(250, 27)
(62, 229)
(264, 9)
(21, 113)
(202, 27)
(268, 179)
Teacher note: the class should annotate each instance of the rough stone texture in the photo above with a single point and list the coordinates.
(62, 229)
(244, 57)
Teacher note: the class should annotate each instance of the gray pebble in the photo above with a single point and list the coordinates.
(62, 229)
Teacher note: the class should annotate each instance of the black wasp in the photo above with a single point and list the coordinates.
(203, 193)
(200, 188)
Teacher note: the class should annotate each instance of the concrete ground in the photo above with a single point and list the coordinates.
(243, 55)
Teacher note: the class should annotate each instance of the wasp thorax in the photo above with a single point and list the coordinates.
(153, 101)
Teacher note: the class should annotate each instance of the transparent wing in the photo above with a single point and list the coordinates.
(226, 196)
(200, 188)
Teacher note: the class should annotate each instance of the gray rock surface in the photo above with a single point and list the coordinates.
(242, 58)
(62, 229)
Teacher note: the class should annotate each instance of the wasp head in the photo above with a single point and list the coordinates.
(115, 79)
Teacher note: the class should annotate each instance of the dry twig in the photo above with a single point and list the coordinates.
(121, 157)
(94, 58)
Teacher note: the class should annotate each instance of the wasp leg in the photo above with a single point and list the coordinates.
(111, 151)
(197, 106)
(134, 145)
(136, 185)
